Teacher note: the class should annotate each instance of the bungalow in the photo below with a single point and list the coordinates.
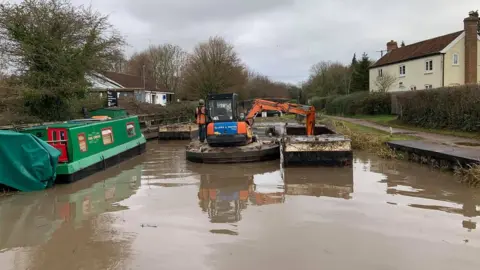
(126, 85)
(448, 60)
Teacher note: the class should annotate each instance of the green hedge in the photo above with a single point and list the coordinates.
(173, 112)
(455, 108)
(359, 103)
(320, 102)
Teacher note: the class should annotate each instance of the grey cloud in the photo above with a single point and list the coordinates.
(284, 38)
(180, 13)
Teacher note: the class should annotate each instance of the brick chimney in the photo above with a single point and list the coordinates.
(391, 45)
(471, 48)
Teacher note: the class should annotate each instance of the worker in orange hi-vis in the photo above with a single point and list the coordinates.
(200, 115)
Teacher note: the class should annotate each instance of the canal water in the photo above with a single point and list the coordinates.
(159, 211)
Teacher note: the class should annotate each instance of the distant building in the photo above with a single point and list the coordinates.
(130, 86)
(448, 60)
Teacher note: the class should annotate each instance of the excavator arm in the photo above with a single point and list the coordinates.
(260, 105)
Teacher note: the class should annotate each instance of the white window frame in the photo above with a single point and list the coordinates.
(380, 72)
(428, 86)
(453, 59)
(430, 68)
(404, 69)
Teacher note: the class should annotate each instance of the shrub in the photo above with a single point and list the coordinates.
(376, 103)
(455, 108)
(24, 106)
(49, 107)
(184, 111)
(320, 102)
(359, 103)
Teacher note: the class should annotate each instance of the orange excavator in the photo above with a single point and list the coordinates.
(260, 105)
(227, 127)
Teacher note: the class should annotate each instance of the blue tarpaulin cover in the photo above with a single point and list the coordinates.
(27, 163)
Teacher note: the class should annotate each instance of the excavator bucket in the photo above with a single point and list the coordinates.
(324, 148)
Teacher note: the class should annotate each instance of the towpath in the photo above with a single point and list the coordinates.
(426, 136)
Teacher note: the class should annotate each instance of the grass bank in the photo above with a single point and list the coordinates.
(368, 139)
(393, 121)
(374, 141)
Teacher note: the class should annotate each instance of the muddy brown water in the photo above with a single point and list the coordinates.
(159, 211)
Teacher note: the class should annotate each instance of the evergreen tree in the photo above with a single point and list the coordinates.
(354, 61)
(351, 70)
(403, 44)
(360, 75)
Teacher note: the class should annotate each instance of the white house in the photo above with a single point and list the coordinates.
(127, 85)
(449, 60)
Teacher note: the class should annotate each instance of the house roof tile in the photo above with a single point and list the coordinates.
(417, 50)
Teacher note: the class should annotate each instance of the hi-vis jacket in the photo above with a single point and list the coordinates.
(200, 115)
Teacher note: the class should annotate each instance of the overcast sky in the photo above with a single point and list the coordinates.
(284, 38)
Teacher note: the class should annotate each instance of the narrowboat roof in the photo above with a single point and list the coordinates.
(110, 109)
(78, 123)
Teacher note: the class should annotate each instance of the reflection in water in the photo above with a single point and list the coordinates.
(58, 222)
(320, 182)
(269, 188)
(116, 219)
(223, 194)
(420, 187)
(223, 199)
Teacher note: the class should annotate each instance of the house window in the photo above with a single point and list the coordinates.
(413, 87)
(130, 129)
(428, 66)
(402, 70)
(455, 59)
(380, 73)
(428, 86)
(107, 136)
(82, 142)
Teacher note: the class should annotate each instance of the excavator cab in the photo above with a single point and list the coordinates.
(226, 125)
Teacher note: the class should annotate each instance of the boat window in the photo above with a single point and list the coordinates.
(107, 136)
(130, 129)
(62, 137)
(82, 142)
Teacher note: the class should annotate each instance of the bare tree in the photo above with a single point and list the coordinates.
(213, 67)
(260, 86)
(384, 82)
(118, 63)
(328, 78)
(140, 63)
(163, 64)
(167, 61)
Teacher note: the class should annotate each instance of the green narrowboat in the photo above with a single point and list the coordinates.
(90, 145)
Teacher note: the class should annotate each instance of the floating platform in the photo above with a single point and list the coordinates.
(439, 152)
(325, 148)
(178, 132)
(254, 152)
